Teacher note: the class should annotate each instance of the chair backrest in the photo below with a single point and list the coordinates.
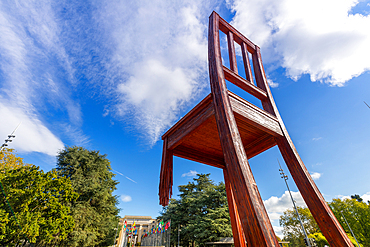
(260, 89)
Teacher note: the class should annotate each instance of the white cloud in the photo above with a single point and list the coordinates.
(275, 207)
(280, 204)
(325, 42)
(279, 231)
(31, 136)
(316, 138)
(366, 197)
(190, 174)
(160, 55)
(272, 83)
(126, 198)
(36, 75)
(315, 175)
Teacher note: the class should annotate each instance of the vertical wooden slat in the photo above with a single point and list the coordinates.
(238, 235)
(247, 64)
(320, 210)
(232, 55)
(256, 225)
(260, 81)
(166, 175)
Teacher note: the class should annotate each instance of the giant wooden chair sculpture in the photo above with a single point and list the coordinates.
(224, 130)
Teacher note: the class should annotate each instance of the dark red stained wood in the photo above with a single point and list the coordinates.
(256, 225)
(238, 37)
(247, 64)
(236, 225)
(198, 156)
(243, 84)
(320, 210)
(166, 175)
(260, 145)
(255, 116)
(199, 107)
(224, 131)
(232, 56)
(193, 121)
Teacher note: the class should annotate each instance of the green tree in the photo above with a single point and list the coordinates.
(292, 229)
(201, 211)
(354, 210)
(357, 214)
(9, 160)
(37, 200)
(357, 197)
(319, 238)
(95, 211)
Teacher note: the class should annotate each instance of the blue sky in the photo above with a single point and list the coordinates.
(115, 75)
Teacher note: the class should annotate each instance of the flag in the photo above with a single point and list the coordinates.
(168, 224)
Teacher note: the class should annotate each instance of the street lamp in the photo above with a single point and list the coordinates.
(350, 227)
(285, 177)
(9, 139)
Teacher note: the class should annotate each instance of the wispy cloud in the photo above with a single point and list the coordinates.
(126, 198)
(31, 136)
(190, 174)
(125, 176)
(147, 60)
(316, 138)
(36, 74)
(327, 43)
(160, 60)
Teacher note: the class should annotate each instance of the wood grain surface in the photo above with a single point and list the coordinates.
(224, 131)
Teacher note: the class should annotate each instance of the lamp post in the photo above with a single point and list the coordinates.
(350, 227)
(9, 139)
(285, 177)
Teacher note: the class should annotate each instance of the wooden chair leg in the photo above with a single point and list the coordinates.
(320, 210)
(238, 235)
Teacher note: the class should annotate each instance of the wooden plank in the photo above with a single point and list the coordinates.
(320, 210)
(243, 84)
(198, 156)
(260, 145)
(188, 124)
(247, 64)
(238, 37)
(231, 49)
(207, 100)
(236, 225)
(166, 175)
(255, 116)
(260, 81)
(257, 228)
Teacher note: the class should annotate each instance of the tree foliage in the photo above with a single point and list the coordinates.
(37, 200)
(9, 160)
(201, 212)
(356, 212)
(292, 229)
(95, 211)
